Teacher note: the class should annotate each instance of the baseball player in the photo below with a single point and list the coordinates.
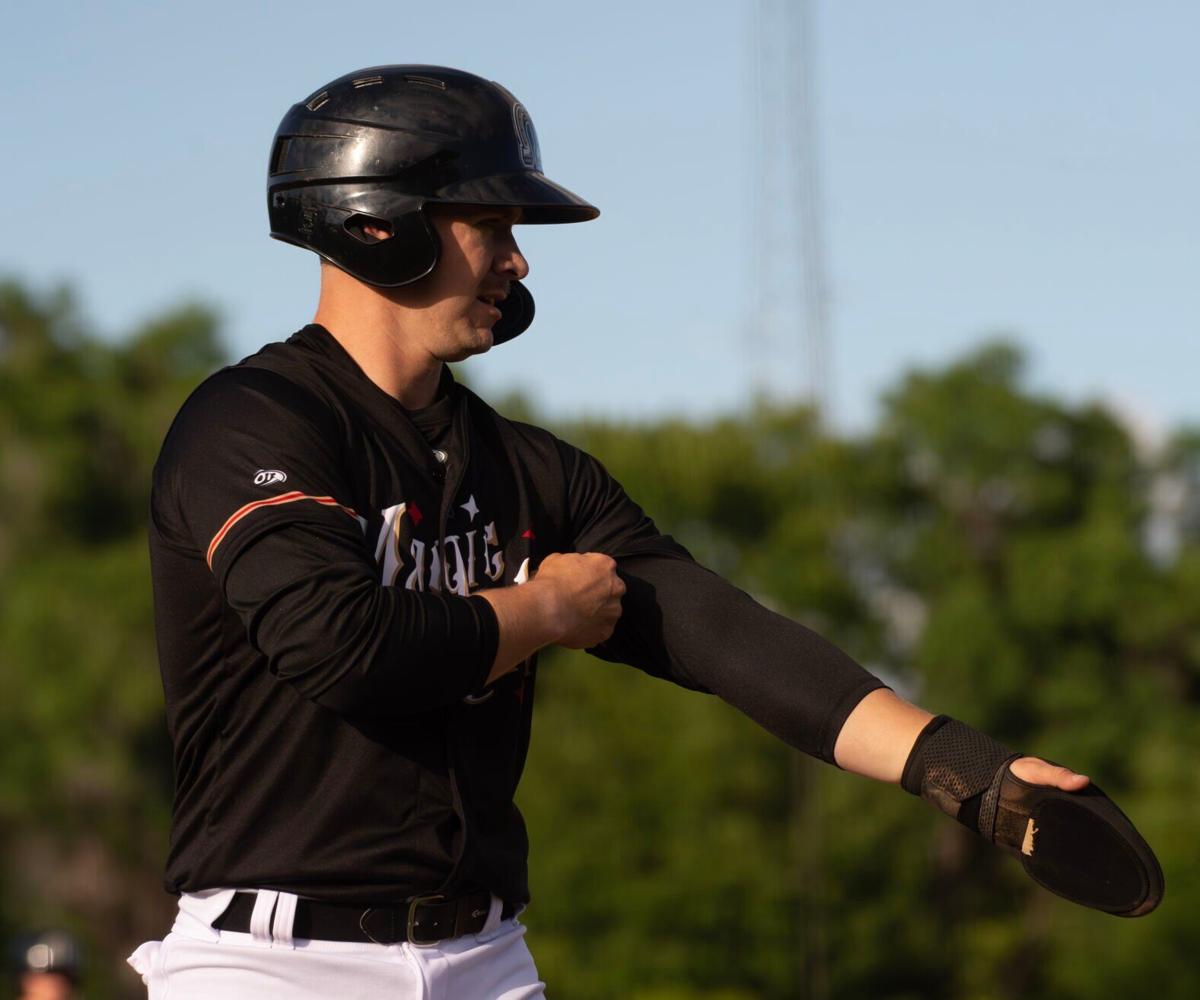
(356, 561)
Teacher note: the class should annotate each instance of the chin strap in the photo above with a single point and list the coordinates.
(516, 313)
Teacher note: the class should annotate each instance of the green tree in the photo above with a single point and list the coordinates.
(85, 772)
(984, 549)
(994, 553)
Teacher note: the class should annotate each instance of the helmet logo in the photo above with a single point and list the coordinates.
(308, 222)
(527, 141)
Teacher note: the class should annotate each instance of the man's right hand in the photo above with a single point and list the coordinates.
(574, 600)
(584, 594)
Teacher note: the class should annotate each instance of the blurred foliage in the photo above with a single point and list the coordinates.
(85, 770)
(997, 555)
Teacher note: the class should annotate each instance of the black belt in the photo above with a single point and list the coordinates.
(420, 920)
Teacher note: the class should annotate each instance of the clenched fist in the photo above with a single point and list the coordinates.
(584, 594)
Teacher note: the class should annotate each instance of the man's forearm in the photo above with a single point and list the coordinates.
(878, 735)
(526, 624)
(880, 732)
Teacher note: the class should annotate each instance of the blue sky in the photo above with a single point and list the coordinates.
(1024, 168)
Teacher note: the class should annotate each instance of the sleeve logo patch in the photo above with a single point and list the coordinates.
(269, 477)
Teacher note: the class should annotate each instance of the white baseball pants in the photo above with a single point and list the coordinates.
(196, 962)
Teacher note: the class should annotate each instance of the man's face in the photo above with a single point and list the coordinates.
(454, 308)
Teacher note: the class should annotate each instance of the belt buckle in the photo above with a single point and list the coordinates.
(412, 918)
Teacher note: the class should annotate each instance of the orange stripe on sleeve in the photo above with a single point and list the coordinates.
(291, 497)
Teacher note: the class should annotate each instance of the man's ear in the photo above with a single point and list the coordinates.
(368, 228)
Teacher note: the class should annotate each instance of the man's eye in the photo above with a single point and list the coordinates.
(494, 220)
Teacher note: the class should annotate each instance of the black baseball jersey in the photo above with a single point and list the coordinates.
(316, 553)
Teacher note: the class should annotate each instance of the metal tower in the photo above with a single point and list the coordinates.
(788, 311)
(786, 343)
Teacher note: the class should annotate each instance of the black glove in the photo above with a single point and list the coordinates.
(1076, 844)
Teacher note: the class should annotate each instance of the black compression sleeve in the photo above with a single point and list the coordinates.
(683, 622)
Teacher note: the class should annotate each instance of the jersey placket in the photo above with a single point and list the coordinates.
(451, 474)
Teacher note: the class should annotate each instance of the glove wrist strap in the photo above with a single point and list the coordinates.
(958, 770)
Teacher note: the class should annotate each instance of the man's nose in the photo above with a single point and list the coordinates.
(511, 261)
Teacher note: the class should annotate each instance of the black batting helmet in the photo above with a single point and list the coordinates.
(374, 147)
(50, 951)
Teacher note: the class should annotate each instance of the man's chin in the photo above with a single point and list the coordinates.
(481, 342)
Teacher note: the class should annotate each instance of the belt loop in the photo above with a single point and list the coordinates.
(285, 915)
(494, 917)
(260, 919)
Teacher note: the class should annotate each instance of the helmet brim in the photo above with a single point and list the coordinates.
(541, 200)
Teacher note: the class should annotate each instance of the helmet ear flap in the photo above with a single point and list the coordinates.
(408, 254)
(333, 220)
(516, 313)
